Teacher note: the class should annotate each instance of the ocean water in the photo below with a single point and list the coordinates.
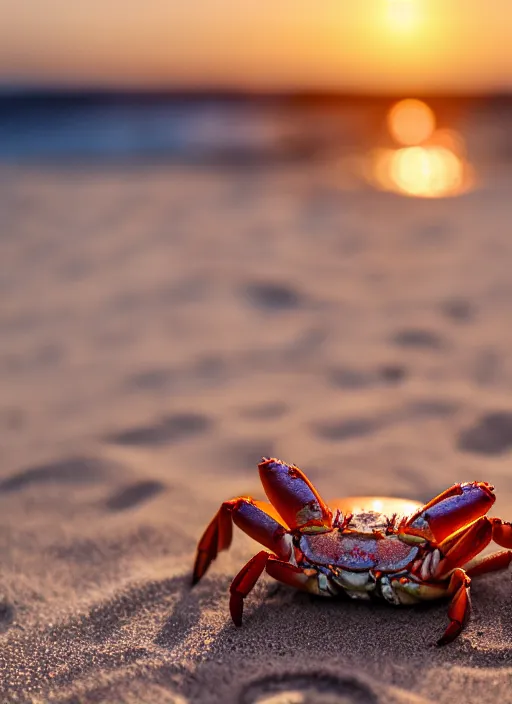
(116, 127)
(233, 130)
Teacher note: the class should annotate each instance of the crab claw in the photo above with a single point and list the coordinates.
(450, 511)
(294, 497)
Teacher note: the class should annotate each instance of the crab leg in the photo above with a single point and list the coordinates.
(411, 592)
(294, 497)
(502, 535)
(501, 532)
(285, 572)
(253, 520)
(467, 544)
(244, 582)
(305, 579)
(463, 547)
(489, 563)
(460, 606)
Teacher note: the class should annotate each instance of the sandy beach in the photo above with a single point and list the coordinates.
(164, 326)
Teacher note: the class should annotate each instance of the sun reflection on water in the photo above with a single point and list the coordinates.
(411, 122)
(432, 171)
(430, 162)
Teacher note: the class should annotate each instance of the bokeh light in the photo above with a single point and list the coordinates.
(431, 163)
(421, 172)
(451, 139)
(411, 122)
(427, 172)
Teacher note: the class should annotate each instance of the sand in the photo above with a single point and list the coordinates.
(163, 327)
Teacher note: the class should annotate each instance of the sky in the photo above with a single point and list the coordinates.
(366, 46)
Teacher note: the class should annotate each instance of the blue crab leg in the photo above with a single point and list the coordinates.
(294, 497)
(252, 519)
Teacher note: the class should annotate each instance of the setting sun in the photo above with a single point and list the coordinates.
(403, 15)
(368, 46)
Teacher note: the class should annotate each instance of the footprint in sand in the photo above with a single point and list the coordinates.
(6, 615)
(392, 373)
(308, 689)
(272, 296)
(135, 494)
(244, 454)
(430, 408)
(418, 338)
(346, 429)
(156, 379)
(350, 379)
(72, 470)
(490, 435)
(265, 411)
(354, 379)
(170, 429)
(459, 310)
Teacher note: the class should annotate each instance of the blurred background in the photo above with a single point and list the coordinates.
(233, 229)
(214, 80)
(239, 229)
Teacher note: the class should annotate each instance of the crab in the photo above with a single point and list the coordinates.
(362, 547)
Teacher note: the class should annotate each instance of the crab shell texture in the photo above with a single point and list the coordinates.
(363, 547)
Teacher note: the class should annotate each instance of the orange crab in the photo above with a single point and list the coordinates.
(365, 547)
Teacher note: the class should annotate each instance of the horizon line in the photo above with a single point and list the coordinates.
(60, 91)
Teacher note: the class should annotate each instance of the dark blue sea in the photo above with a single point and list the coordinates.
(240, 130)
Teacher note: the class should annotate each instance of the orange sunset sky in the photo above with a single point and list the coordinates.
(362, 45)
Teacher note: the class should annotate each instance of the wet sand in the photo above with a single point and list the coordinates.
(163, 328)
